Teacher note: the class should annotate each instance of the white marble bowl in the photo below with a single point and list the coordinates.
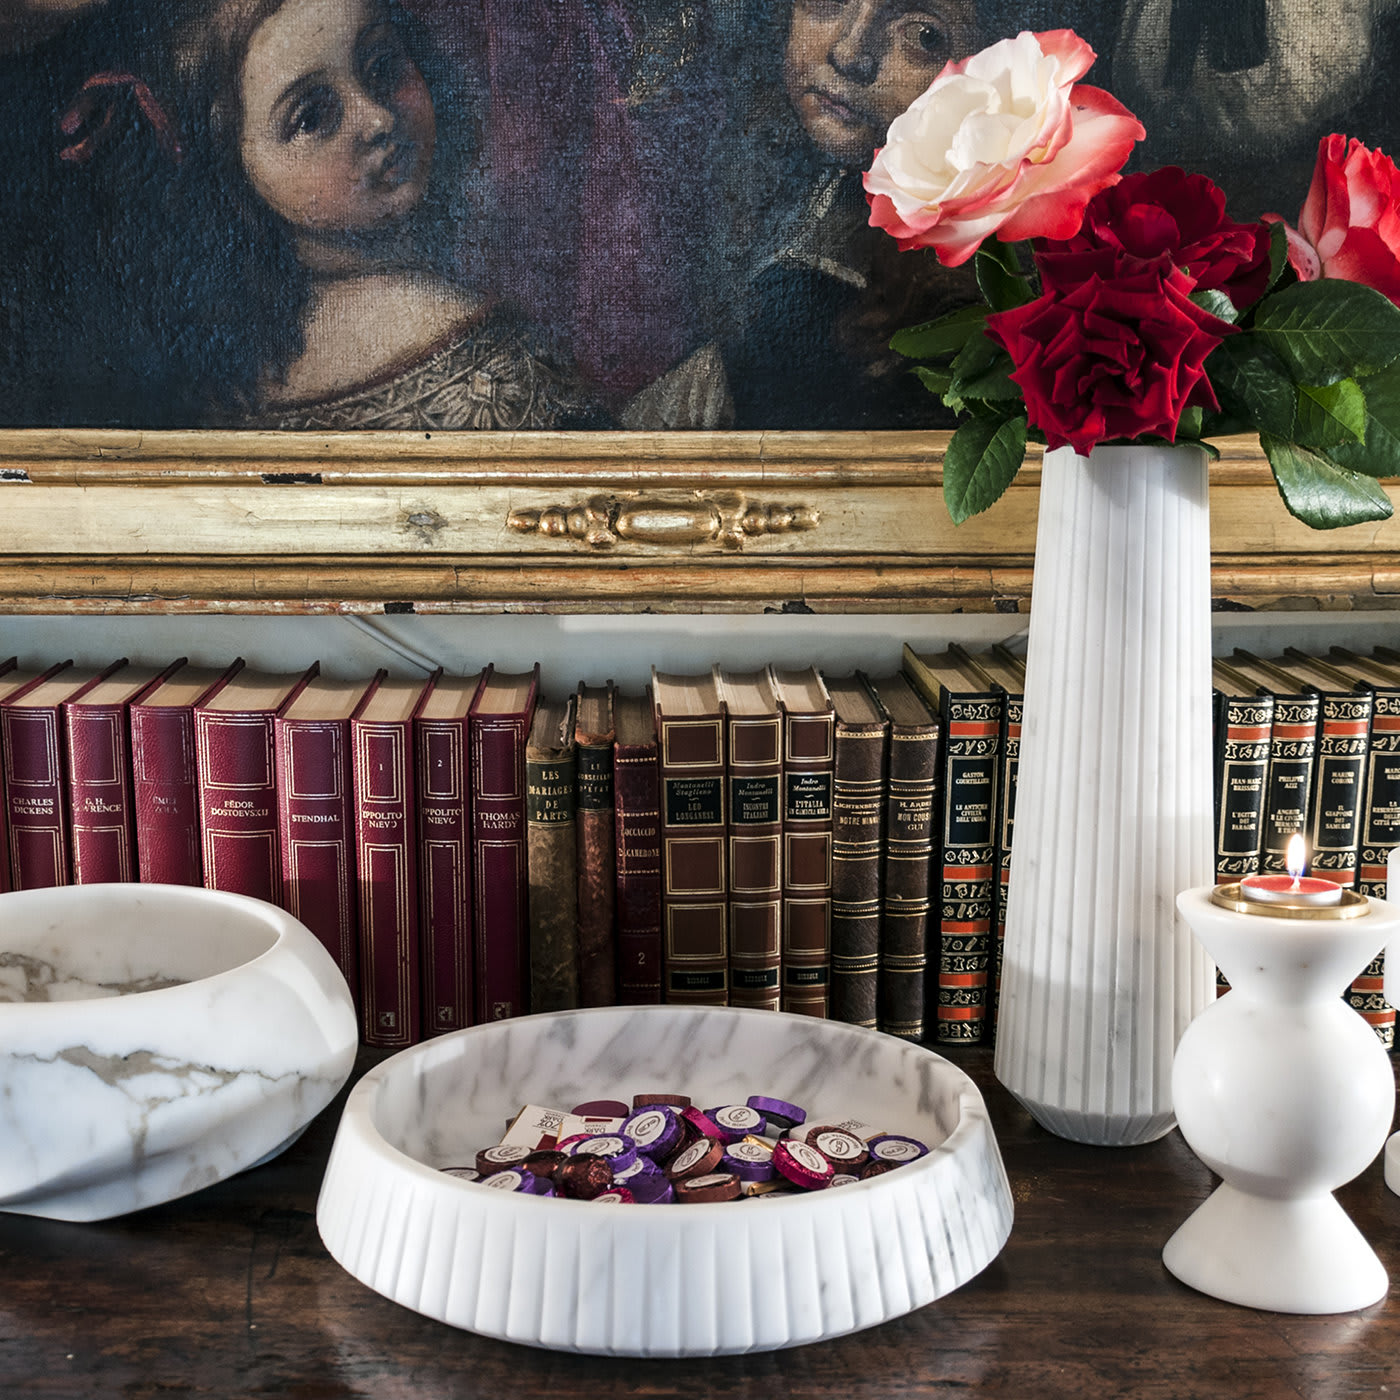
(666, 1280)
(155, 1039)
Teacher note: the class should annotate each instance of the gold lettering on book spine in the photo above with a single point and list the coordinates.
(726, 518)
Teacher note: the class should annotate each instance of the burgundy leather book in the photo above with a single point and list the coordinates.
(906, 927)
(13, 680)
(690, 724)
(809, 751)
(316, 815)
(596, 838)
(236, 770)
(164, 783)
(857, 826)
(36, 775)
(637, 824)
(551, 860)
(97, 747)
(754, 807)
(386, 858)
(441, 748)
(499, 726)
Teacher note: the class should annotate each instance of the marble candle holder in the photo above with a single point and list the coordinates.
(660, 1280)
(155, 1039)
(1284, 1092)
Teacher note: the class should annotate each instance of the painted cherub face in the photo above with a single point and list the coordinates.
(852, 66)
(338, 126)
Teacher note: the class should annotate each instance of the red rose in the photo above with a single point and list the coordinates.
(1119, 353)
(1170, 213)
(1349, 227)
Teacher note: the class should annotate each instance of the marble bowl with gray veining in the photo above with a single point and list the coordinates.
(155, 1039)
(660, 1280)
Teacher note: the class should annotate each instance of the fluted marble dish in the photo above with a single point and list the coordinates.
(155, 1039)
(664, 1280)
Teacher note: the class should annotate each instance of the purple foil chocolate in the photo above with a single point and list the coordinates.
(737, 1119)
(655, 1129)
(897, 1149)
(652, 1189)
(518, 1179)
(616, 1149)
(778, 1112)
(748, 1161)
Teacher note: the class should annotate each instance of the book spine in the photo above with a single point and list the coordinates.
(316, 834)
(809, 752)
(237, 773)
(551, 810)
(499, 879)
(906, 909)
(102, 820)
(165, 795)
(694, 886)
(1380, 834)
(857, 820)
(637, 824)
(966, 865)
(1292, 749)
(755, 860)
(387, 877)
(444, 871)
(36, 797)
(596, 841)
(1244, 731)
(1009, 747)
(1334, 821)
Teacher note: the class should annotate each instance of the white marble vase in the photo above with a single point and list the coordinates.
(1100, 976)
(155, 1039)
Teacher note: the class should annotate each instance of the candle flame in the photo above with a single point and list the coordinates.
(1296, 856)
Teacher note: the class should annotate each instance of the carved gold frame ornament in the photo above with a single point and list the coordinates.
(123, 521)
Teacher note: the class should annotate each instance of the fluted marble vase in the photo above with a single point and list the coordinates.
(1100, 975)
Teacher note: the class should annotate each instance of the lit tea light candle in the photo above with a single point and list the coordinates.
(1294, 888)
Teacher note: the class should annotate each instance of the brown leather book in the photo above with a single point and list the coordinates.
(906, 869)
(965, 875)
(386, 860)
(9, 664)
(596, 842)
(551, 787)
(809, 749)
(499, 725)
(441, 745)
(316, 816)
(637, 824)
(754, 807)
(97, 748)
(164, 781)
(694, 877)
(37, 838)
(236, 767)
(858, 797)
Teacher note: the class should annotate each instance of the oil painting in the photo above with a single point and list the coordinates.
(553, 214)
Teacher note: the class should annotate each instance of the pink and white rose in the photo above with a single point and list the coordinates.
(1006, 142)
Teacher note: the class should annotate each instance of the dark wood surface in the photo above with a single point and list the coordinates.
(230, 1293)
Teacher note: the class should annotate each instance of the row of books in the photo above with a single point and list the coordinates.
(470, 847)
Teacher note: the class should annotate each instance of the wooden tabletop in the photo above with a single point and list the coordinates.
(230, 1293)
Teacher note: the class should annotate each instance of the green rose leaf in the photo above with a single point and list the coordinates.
(1318, 491)
(999, 276)
(1190, 425)
(1379, 455)
(945, 336)
(1252, 384)
(1330, 415)
(936, 381)
(1278, 252)
(1218, 304)
(982, 459)
(1329, 330)
(982, 370)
